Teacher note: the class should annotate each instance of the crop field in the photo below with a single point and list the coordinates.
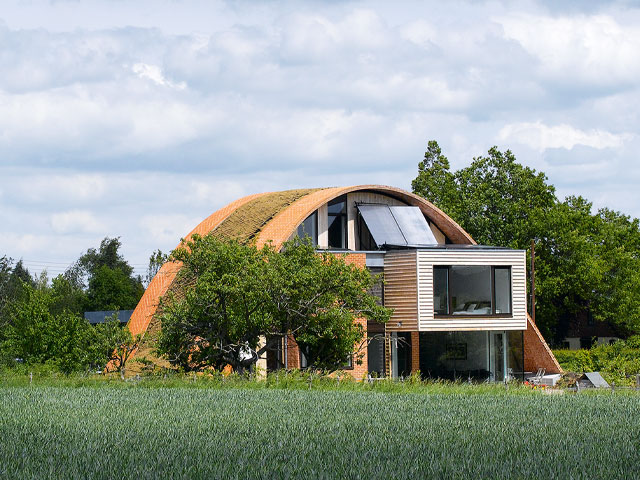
(139, 433)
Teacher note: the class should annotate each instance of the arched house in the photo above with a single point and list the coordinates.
(459, 308)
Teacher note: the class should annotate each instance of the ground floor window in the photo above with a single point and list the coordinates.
(476, 356)
(401, 354)
(304, 355)
(375, 354)
(275, 354)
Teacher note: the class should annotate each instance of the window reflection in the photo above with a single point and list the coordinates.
(337, 210)
(471, 290)
(309, 228)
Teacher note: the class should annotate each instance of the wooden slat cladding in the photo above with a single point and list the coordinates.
(401, 290)
(515, 259)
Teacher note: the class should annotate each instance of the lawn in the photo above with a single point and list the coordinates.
(180, 432)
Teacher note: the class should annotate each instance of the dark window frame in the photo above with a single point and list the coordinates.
(339, 217)
(493, 292)
(302, 355)
(314, 240)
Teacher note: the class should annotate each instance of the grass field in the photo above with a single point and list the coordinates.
(179, 432)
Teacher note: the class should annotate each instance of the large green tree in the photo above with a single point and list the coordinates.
(232, 294)
(106, 277)
(585, 262)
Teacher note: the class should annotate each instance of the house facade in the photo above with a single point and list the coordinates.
(459, 309)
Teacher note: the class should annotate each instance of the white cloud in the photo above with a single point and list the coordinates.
(420, 32)
(154, 73)
(595, 48)
(98, 122)
(75, 221)
(168, 228)
(540, 136)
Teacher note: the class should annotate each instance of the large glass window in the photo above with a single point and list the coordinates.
(515, 354)
(375, 354)
(502, 281)
(441, 290)
(309, 228)
(455, 355)
(471, 290)
(338, 222)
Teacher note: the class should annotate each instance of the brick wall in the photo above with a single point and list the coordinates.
(415, 352)
(537, 353)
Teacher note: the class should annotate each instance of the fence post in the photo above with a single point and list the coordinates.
(30, 378)
(638, 381)
(613, 386)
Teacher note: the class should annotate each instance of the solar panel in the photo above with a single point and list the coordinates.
(399, 226)
(382, 225)
(413, 225)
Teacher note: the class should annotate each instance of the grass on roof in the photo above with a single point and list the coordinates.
(247, 221)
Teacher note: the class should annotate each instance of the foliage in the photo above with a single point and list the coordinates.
(112, 289)
(64, 432)
(106, 277)
(43, 331)
(116, 343)
(42, 323)
(11, 280)
(66, 296)
(156, 260)
(497, 200)
(233, 294)
(436, 182)
(618, 362)
(585, 262)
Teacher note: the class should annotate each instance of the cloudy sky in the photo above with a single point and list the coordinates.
(139, 119)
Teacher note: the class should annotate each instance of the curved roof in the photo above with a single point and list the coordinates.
(273, 217)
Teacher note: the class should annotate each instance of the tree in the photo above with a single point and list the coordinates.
(112, 289)
(436, 182)
(106, 277)
(495, 199)
(584, 261)
(44, 330)
(113, 345)
(318, 298)
(5, 274)
(28, 335)
(156, 260)
(67, 297)
(42, 323)
(231, 294)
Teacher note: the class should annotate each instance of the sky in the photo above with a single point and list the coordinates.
(139, 119)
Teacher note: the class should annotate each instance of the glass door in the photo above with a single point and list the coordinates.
(497, 355)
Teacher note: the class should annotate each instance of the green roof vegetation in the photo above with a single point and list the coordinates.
(246, 222)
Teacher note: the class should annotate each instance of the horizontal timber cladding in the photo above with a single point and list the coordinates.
(401, 290)
(427, 258)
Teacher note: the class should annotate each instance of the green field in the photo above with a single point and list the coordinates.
(180, 432)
